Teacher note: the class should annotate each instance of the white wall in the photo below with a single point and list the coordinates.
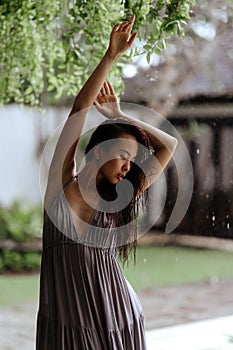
(20, 129)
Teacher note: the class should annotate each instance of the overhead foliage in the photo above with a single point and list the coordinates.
(53, 45)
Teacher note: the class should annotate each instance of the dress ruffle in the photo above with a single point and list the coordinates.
(54, 335)
(85, 301)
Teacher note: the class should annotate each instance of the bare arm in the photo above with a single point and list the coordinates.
(163, 143)
(120, 40)
(62, 166)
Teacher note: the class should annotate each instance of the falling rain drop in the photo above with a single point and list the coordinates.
(198, 151)
(213, 219)
(177, 259)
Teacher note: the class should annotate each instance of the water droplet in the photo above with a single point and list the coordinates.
(144, 260)
(213, 217)
(198, 151)
(178, 259)
(228, 225)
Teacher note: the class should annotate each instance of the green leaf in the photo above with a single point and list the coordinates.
(148, 57)
(164, 44)
(158, 51)
(28, 91)
(146, 47)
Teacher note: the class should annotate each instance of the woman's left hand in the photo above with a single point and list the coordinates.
(107, 103)
(121, 38)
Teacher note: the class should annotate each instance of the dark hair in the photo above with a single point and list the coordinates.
(113, 129)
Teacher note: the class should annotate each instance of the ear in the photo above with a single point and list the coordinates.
(97, 152)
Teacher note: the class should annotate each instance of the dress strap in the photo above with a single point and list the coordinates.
(69, 182)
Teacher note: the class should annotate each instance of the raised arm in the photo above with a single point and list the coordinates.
(63, 165)
(120, 40)
(163, 143)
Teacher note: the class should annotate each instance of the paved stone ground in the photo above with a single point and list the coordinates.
(173, 305)
(163, 307)
(211, 334)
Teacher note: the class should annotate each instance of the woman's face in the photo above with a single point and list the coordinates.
(117, 160)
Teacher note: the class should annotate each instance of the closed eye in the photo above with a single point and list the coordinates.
(124, 158)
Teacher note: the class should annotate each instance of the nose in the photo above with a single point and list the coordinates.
(126, 166)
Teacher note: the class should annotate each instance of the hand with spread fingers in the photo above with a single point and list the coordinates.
(121, 38)
(107, 102)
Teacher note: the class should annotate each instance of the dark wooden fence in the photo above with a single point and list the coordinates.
(208, 122)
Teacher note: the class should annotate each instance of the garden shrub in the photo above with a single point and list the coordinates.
(20, 224)
(32, 260)
(13, 260)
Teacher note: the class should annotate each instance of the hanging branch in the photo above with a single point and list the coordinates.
(51, 46)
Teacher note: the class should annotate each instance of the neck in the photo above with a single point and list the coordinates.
(89, 177)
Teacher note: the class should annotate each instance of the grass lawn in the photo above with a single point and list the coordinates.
(156, 266)
(160, 266)
(17, 289)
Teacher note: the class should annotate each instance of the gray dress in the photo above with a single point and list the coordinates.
(85, 301)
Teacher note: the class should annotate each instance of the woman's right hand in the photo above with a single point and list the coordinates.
(107, 102)
(121, 38)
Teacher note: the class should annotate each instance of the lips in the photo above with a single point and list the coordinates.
(120, 177)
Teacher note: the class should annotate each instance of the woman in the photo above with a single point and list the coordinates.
(85, 301)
